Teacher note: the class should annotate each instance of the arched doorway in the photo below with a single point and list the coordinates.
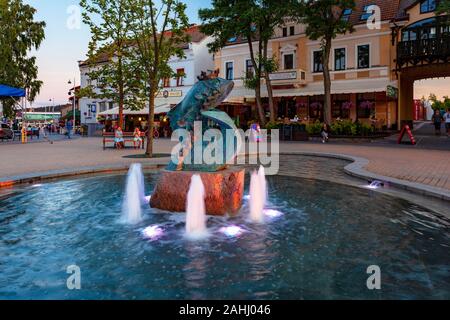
(422, 53)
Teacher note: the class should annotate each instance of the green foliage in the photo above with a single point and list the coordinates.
(154, 45)
(437, 104)
(111, 73)
(314, 128)
(324, 21)
(443, 7)
(251, 21)
(19, 34)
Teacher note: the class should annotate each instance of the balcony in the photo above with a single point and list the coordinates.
(296, 77)
(425, 44)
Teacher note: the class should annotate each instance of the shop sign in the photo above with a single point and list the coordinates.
(291, 75)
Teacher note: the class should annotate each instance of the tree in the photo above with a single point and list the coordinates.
(253, 21)
(324, 21)
(443, 7)
(110, 71)
(20, 34)
(158, 32)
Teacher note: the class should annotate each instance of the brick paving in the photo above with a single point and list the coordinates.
(420, 165)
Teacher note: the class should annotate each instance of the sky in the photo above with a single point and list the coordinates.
(65, 44)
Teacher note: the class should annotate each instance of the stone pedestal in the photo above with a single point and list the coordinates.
(224, 191)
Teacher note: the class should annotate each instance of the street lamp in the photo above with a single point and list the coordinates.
(74, 99)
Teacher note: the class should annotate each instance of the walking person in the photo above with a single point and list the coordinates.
(44, 134)
(69, 128)
(437, 121)
(325, 133)
(447, 122)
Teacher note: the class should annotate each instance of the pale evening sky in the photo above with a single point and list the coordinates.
(63, 47)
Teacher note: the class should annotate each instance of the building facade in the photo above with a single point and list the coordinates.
(196, 59)
(364, 68)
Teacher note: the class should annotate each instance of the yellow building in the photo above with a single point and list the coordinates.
(365, 72)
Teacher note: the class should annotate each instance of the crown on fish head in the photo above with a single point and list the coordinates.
(208, 75)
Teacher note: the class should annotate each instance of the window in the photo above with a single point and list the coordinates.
(346, 14)
(292, 30)
(339, 59)
(285, 30)
(166, 82)
(229, 71)
(289, 61)
(341, 106)
(102, 106)
(365, 105)
(366, 15)
(317, 63)
(364, 56)
(180, 77)
(249, 71)
(427, 6)
(111, 105)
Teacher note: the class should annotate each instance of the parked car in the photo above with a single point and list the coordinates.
(6, 132)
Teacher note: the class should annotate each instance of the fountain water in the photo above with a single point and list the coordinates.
(258, 195)
(195, 208)
(134, 195)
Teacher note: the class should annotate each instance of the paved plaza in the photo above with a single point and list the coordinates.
(425, 165)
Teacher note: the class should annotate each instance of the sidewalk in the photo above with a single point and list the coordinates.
(419, 165)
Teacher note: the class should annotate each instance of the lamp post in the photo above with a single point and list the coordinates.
(74, 101)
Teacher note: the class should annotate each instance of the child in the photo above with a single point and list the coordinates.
(325, 133)
(137, 138)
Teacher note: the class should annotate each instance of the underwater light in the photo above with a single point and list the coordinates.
(273, 213)
(152, 232)
(148, 198)
(232, 231)
(37, 185)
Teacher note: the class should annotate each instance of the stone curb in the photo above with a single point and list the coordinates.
(356, 169)
(64, 173)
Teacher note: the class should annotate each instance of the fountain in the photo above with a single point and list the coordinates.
(375, 184)
(195, 208)
(134, 195)
(223, 186)
(258, 195)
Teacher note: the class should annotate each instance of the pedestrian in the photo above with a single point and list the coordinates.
(437, 121)
(325, 133)
(69, 128)
(44, 134)
(447, 122)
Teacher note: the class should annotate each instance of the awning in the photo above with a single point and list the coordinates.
(165, 108)
(316, 88)
(6, 91)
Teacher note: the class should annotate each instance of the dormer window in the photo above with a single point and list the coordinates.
(346, 14)
(366, 15)
(427, 6)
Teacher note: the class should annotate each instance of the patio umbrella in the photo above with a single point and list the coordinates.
(6, 92)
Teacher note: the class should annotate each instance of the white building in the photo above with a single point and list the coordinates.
(197, 59)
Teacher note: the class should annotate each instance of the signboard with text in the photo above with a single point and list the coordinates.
(170, 94)
(291, 75)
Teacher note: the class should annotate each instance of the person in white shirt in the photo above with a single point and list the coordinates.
(447, 122)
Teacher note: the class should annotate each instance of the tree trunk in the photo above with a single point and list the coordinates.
(327, 81)
(151, 121)
(259, 107)
(269, 85)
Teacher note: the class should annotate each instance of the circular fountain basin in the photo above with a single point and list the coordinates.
(317, 241)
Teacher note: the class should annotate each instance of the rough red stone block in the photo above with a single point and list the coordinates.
(224, 191)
